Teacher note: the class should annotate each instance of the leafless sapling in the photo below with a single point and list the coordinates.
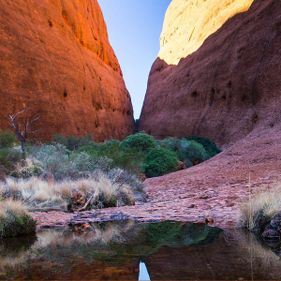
(22, 124)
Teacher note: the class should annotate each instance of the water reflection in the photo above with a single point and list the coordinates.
(130, 251)
(143, 272)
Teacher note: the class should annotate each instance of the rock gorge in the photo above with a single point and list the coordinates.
(225, 86)
(56, 61)
(218, 70)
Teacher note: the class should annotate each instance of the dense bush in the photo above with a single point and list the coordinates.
(9, 157)
(72, 142)
(7, 139)
(129, 159)
(139, 142)
(211, 148)
(159, 161)
(171, 143)
(188, 150)
(110, 149)
(130, 154)
(63, 164)
(192, 151)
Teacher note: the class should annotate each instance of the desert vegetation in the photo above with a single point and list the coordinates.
(78, 174)
(98, 191)
(143, 155)
(262, 214)
(14, 219)
(71, 157)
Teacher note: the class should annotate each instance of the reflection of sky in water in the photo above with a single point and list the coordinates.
(143, 273)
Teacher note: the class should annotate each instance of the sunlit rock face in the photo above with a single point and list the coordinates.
(188, 23)
(56, 61)
(225, 88)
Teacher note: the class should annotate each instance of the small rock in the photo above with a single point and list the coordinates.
(209, 221)
(119, 217)
(271, 234)
(191, 206)
(275, 223)
(204, 196)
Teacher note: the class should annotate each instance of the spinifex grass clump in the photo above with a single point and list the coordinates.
(15, 220)
(260, 209)
(95, 192)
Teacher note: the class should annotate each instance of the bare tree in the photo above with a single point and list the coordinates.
(22, 125)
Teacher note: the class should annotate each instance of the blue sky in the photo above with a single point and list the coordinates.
(134, 28)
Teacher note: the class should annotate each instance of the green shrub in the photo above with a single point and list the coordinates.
(160, 161)
(110, 149)
(192, 152)
(63, 164)
(15, 220)
(72, 142)
(171, 143)
(139, 141)
(7, 139)
(129, 159)
(73, 157)
(211, 148)
(9, 157)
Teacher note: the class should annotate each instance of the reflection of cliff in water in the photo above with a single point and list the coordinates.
(113, 251)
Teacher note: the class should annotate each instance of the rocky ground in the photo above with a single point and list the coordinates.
(208, 193)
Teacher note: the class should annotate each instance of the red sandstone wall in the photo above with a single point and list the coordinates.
(56, 60)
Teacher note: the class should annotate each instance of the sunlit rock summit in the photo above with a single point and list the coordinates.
(56, 61)
(189, 23)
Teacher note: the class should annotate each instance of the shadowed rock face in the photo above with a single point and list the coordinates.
(56, 60)
(228, 87)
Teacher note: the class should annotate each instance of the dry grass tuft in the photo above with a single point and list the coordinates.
(266, 204)
(14, 219)
(95, 192)
(11, 206)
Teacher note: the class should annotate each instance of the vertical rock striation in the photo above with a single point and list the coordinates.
(218, 70)
(56, 61)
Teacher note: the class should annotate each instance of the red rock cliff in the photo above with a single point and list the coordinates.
(218, 70)
(56, 60)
